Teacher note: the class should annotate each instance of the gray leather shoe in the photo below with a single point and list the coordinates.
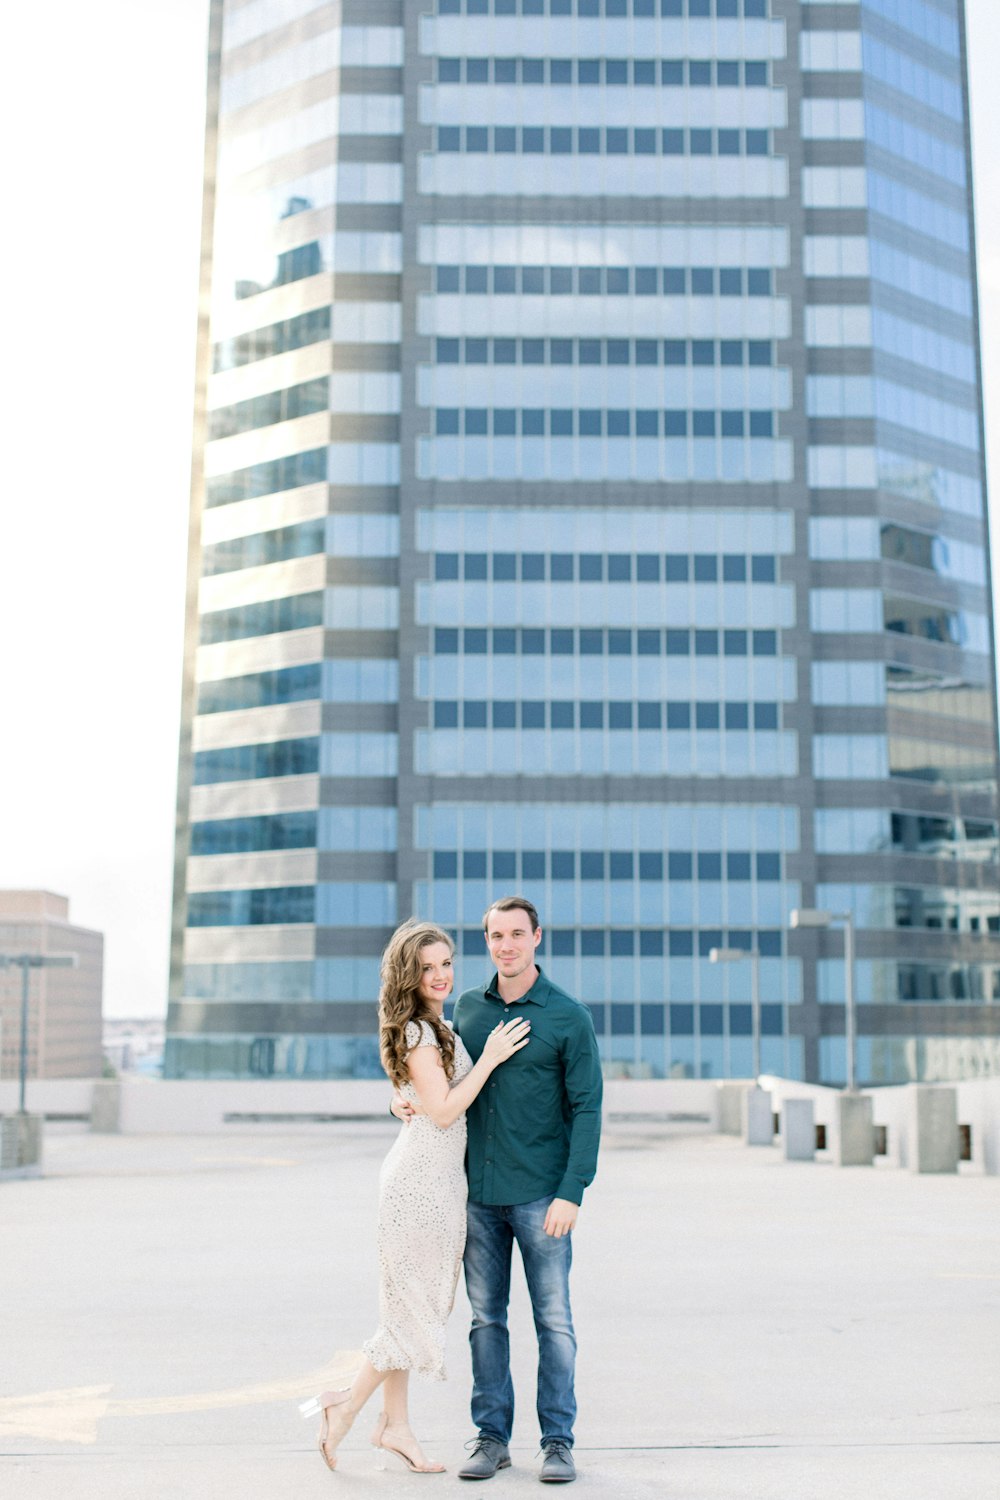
(557, 1466)
(488, 1455)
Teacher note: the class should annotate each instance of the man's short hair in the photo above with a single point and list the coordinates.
(512, 903)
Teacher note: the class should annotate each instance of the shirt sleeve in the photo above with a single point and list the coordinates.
(584, 1089)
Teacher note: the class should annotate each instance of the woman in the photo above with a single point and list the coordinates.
(422, 1189)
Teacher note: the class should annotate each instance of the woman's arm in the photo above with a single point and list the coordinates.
(438, 1100)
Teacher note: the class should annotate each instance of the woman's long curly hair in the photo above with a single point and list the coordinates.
(400, 1002)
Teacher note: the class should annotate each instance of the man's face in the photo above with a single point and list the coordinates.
(511, 941)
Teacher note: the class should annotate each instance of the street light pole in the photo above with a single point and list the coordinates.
(26, 962)
(23, 1073)
(755, 1010)
(808, 916)
(850, 1011)
(735, 955)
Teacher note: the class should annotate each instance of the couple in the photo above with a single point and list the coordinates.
(518, 1081)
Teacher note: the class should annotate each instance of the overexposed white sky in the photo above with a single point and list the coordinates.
(102, 109)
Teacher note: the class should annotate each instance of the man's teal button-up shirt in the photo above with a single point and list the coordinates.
(535, 1126)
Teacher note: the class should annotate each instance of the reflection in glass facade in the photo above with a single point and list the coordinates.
(590, 501)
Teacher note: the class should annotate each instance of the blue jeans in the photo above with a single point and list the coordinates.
(493, 1228)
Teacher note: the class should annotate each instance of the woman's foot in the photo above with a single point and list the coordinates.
(398, 1438)
(337, 1420)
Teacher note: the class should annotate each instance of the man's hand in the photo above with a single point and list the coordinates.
(561, 1217)
(403, 1109)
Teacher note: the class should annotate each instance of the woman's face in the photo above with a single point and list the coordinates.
(437, 975)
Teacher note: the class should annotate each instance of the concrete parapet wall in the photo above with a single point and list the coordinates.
(106, 1107)
(934, 1129)
(193, 1106)
(21, 1143)
(893, 1108)
(979, 1107)
(180, 1107)
(798, 1130)
(664, 1098)
(727, 1110)
(854, 1144)
(142, 1106)
(758, 1117)
(50, 1096)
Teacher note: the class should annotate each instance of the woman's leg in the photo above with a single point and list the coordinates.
(395, 1398)
(338, 1419)
(393, 1430)
(364, 1385)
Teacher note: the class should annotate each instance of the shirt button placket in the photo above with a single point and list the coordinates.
(490, 1143)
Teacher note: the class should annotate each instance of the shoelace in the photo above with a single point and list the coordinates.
(477, 1444)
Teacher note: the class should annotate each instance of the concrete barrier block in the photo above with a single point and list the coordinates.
(21, 1138)
(758, 1117)
(934, 1129)
(106, 1107)
(729, 1108)
(855, 1131)
(798, 1130)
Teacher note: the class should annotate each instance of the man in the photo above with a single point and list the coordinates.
(533, 1138)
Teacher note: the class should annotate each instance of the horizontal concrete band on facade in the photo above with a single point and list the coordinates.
(358, 1018)
(338, 82)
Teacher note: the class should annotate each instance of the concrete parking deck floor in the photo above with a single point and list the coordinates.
(748, 1327)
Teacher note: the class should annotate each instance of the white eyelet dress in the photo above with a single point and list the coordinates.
(421, 1232)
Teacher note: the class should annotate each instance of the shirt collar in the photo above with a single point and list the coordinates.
(538, 994)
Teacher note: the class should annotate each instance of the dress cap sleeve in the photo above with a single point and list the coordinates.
(419, 1034)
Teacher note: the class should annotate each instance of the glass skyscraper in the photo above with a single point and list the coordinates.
(589, 502)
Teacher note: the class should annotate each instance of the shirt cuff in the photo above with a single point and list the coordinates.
(571, 1189)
